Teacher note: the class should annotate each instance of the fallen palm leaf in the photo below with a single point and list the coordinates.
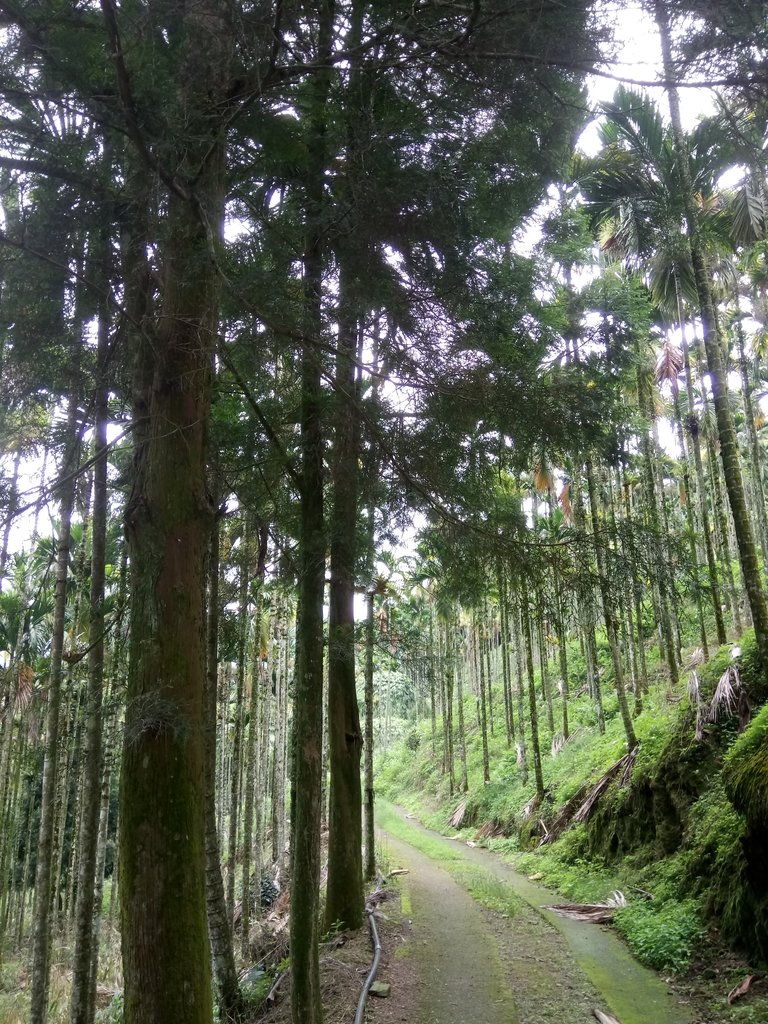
(563, 819)
(457, 818)
(605, 1018)
(625, 765)
(742, 988)
(596, 913)
(490, 830)
(725, 700)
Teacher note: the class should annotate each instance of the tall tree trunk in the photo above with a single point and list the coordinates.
(169, 517)
(478, 632)
(532, 710)
(308, 707)
(754, 447)
(694, 433)
(608, 614)
(344, 895)
(729, 454)
(236, 768)
(219, 920)
(81, 1010)
(370, 836)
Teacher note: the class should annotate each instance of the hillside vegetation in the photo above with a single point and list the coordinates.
(680, 829)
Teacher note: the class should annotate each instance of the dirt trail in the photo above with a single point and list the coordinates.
(534, 968)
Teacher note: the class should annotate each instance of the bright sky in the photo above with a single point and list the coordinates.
(638, 57)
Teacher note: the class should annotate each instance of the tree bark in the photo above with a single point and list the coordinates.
(344, 894)
(219, 921)
(81, 1010)
(43, 879)
(169, 517)
(308, 706)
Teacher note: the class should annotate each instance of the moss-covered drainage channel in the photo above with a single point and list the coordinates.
(634, 994)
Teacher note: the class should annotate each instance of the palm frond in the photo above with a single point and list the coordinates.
(747, 211)
(670, 362)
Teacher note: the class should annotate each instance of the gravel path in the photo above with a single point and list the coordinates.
(531, 968)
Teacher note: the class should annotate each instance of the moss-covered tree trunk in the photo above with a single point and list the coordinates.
(168, 524)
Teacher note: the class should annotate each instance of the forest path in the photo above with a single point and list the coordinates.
(525, 967)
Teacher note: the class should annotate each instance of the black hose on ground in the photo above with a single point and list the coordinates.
(374, 968)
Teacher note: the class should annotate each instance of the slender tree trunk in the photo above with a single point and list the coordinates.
(610, 622)
(81, 1009)
(478, 631)
(236, 771)
(521, 745)
(308, 708)
(219, 920)
(532, 710)
(370, 836)
(43, 880)
(703, 505)
(754, 447)
(249, 773)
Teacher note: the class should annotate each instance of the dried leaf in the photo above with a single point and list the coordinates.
(725, 699)
(457, 818)
(669, 363)
(742, 988)
(595, 913)
(605, 1018)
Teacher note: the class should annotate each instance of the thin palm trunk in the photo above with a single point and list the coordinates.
(43, 880)
(81, 1008)
(608, 614)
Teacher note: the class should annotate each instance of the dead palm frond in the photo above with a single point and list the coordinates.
(670, 362)
(725, 701)
(694, 695)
